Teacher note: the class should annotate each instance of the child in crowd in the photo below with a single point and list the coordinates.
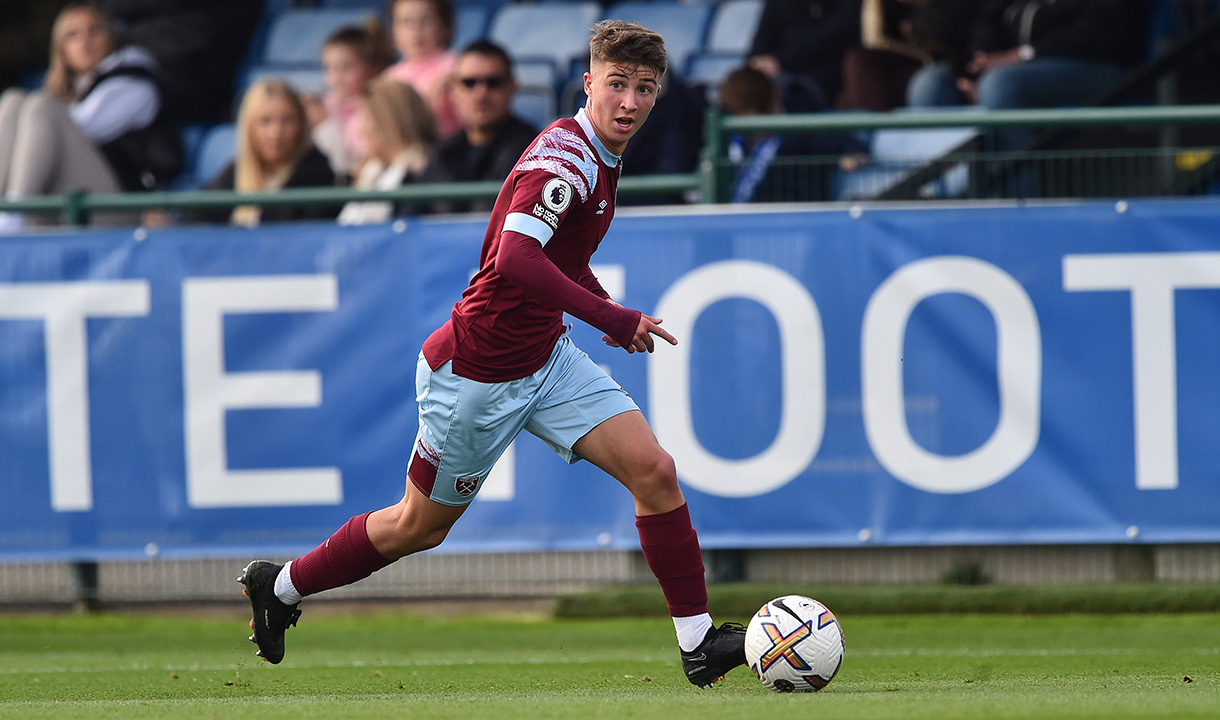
(423, 30)
(399, 133)
(273, 151)
(351, 57)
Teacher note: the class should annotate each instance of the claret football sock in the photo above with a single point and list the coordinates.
(671, 549)
(343, 559)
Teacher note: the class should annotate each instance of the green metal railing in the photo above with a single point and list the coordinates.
(708, 181)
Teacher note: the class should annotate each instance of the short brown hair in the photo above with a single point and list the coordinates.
(623, 43)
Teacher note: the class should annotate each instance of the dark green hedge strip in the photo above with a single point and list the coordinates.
(742, 600)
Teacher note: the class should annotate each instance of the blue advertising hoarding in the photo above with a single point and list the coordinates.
(899, 376)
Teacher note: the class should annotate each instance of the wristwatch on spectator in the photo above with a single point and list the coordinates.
(1026, 52)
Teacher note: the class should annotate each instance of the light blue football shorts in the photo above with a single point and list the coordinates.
(465, 425)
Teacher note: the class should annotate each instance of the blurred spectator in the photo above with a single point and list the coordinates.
(759, 174)
(807, 37)
(423, 30)
(199, 45)
(898, 37)
(351, 57)
(93, 126)
(876, 73)
(273, 152)
(1031, 53)
(492, 138)
(399, 132)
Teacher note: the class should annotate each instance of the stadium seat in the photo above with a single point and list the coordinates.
(732, 27)
(216, 150)
(681, 24)
(711, 69)
(296, 35)
(558, 31)
(310, 81)
(470, 24)
(571, 97)
(535, 73)
(895, 154)
(191, 135)
(535, 106)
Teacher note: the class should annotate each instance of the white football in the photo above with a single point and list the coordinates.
(794, 644)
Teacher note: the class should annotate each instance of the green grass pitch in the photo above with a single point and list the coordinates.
(385, 664)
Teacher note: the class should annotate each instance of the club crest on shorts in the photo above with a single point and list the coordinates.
(466, 486)
(557, 194)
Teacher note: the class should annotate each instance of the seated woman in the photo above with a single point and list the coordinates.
(399, 132)
(93, 125)
(274, 151)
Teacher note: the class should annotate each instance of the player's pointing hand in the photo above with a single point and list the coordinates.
(643, 342)
(648, 327)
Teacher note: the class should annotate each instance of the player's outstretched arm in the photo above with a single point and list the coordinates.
(521, 261)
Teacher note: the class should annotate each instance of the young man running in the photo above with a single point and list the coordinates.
(503, 363)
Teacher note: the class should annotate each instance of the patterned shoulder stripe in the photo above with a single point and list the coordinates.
(564, 154)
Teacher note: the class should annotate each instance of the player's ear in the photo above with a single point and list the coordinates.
(588, 84)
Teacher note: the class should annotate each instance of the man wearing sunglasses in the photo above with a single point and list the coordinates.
(491, 138)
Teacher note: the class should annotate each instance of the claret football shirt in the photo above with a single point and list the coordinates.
(561, 194)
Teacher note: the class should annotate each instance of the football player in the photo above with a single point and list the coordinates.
(504, 363)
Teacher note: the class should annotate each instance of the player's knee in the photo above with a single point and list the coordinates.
(659, 478)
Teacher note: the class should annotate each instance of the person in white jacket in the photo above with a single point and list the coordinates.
(71, 134)
(399, 132)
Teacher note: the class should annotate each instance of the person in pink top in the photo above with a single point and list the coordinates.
(422, 31)
(351, 57)
(504, 363)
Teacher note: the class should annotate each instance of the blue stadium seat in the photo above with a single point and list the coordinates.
(894, 154)
(215, 152)
(470, 24)
(309, 81)
(296, 35)
(536, 106)
(732, 28)
(558, 31)
(535, 73)
(191, 135)
(683, 25)
(710, 69)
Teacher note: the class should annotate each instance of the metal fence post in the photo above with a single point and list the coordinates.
(74, 209)
(709, 162)
(88, 598)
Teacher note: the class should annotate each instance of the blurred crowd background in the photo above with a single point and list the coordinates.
(131, 95)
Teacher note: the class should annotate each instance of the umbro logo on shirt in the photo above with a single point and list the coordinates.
(601, 207)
